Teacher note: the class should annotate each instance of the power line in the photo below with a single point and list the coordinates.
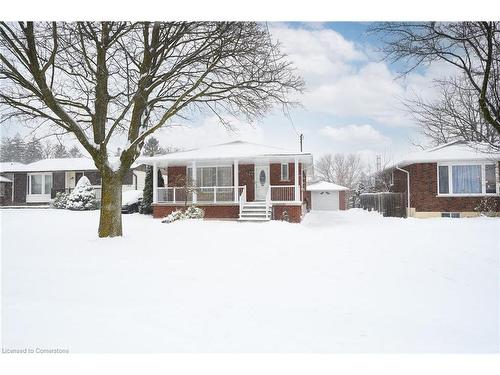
(286, 109)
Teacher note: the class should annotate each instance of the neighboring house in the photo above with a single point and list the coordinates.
(233, 180)
(449, 180)
(38, 182)
(323, 195)
(6, 182)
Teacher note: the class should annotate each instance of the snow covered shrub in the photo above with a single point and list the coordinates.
(284, 216)
(82, 197)
(61, 200)
(487, 206)
(174, 216)
(192, 212)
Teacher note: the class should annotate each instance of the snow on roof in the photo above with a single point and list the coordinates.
(325, 186)
(56, 164)
(62, 164)
(453, 151)
(4, 179)
(10, 166)
(231, 150)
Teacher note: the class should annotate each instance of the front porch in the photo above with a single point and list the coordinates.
(233, 180)
(247, 198)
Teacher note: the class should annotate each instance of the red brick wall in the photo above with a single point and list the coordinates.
(294, 213)
(246, 177)
(423, 191)
(275, 174)
(342, 202)
(176, 176)
(211, 212)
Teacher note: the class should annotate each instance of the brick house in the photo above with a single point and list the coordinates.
(449, 180)
(236, 180)
(37, 183)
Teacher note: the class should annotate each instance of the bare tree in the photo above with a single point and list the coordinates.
(113, 82)
(454, 116)
(472, 47)
(340, 169)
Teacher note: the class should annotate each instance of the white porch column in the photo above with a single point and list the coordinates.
(236, 181)
(296, 180)
(155, 183)
(195, 182)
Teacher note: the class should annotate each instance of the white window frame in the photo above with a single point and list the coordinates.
(287, 172)
(199, 178)
(483, 178)
(44, 196)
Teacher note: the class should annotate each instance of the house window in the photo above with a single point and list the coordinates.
(284, 172)
(40, 183)
(444, 187)
(454, 215)
(211, 176)
(467, 179)
(224, 176)
(491, 181)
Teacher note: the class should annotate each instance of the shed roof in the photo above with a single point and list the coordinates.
(4, 179)
(325, 186)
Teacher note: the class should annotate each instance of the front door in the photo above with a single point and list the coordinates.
(261, 182)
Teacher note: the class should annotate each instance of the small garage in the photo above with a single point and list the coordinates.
(327, 196)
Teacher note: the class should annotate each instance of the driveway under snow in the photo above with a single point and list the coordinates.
(339, 282)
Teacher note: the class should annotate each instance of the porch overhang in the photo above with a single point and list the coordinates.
(163, 161)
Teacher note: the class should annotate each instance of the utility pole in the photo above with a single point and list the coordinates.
(301, 138)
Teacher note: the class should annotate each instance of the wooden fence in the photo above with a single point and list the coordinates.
(388, 204)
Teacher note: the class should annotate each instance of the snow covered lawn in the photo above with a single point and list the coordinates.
(339, 282)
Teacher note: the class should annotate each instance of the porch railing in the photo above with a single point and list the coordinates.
(223, 194)
(243, 198)
(204, 194)
(282, 193)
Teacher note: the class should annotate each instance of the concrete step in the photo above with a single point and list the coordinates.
(253, 219)
(255, 213)
(255, 209)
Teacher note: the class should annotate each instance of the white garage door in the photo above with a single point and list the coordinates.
(325, 200)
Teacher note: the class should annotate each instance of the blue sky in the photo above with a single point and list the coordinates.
(352, 101)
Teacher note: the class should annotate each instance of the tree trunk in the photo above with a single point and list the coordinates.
(110, 222)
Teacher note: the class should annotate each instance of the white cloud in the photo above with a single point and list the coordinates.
(355, 135)
(209, 132)
(317, 52)
(345, 80)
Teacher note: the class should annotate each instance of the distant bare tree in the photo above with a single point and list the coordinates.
(74, 152)
(455, 115)
(340, 169)
(472, 47)
(119, 82)
(47, 149)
